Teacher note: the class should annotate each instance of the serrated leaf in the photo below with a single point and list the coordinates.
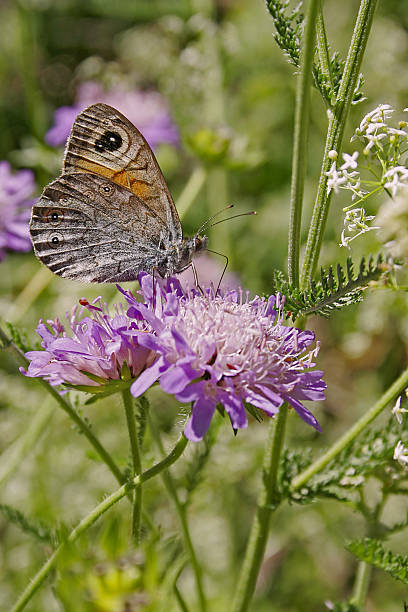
(372, 551)
(288, 36)
(40, 531)
(334, 290)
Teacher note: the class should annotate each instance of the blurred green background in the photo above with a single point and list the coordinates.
(231, 93)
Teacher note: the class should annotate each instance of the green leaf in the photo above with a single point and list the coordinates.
(372, 551)
(40, 531)
(334, 290)
(289, 26)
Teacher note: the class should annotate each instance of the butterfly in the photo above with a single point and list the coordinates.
(110, 214)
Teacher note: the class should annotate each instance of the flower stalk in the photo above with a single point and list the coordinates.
(137, 463)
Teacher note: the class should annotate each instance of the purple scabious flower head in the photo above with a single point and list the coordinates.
(227, 350)
(147, 110)
(91, 350)
(15, 209)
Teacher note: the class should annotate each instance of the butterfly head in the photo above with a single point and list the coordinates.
(187, 248)
(179, 256)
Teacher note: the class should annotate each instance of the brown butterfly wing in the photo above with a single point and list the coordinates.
(87, 228)
(104, 142)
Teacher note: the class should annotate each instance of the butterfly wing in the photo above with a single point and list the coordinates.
(87, 228)
(104, 142)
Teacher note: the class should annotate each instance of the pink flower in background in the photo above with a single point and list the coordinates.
(147, 110)
(15, 208)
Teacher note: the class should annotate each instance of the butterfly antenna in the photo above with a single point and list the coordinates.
(253, 212)
(200, 229)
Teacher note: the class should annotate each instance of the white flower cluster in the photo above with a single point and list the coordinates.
(384, 147)
(400, 451)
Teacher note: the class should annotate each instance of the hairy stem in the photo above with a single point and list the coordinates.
(268, 501)
(302, 111)
(137, 462)
(361, 585)
(337, 120)
(93, 516)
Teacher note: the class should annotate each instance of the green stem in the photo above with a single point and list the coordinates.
(181, 513)
(392, 392)
(300, 139)
(361, 585)
(137, 463)
(93, 516)
(66, 406)
(191, 190)
(268, 501)
(335, 131)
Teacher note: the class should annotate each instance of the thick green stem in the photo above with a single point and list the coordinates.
(93, 516)
(66, 406)
(337, 120)
(137, 462)
(299, 142)
(181, 513)
(392, 392)
(268, 501)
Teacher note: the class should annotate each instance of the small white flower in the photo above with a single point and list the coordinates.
(335, 179)
(350, 161)
(397, 410)
(373, 139)
(378, 115)
(398, 176)
(333, 154)
(401, 454)
(396, 132)
(345, 240)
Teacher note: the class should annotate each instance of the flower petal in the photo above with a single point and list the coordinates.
(303, 412)
(146, 379)
(200, 419)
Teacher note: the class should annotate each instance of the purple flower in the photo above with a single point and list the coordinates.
(15, 209)
(147, 110)
(224, 349)
(98, 344)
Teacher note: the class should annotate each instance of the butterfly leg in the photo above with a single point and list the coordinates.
(154, 288)
(225, 267)
(196, 278)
